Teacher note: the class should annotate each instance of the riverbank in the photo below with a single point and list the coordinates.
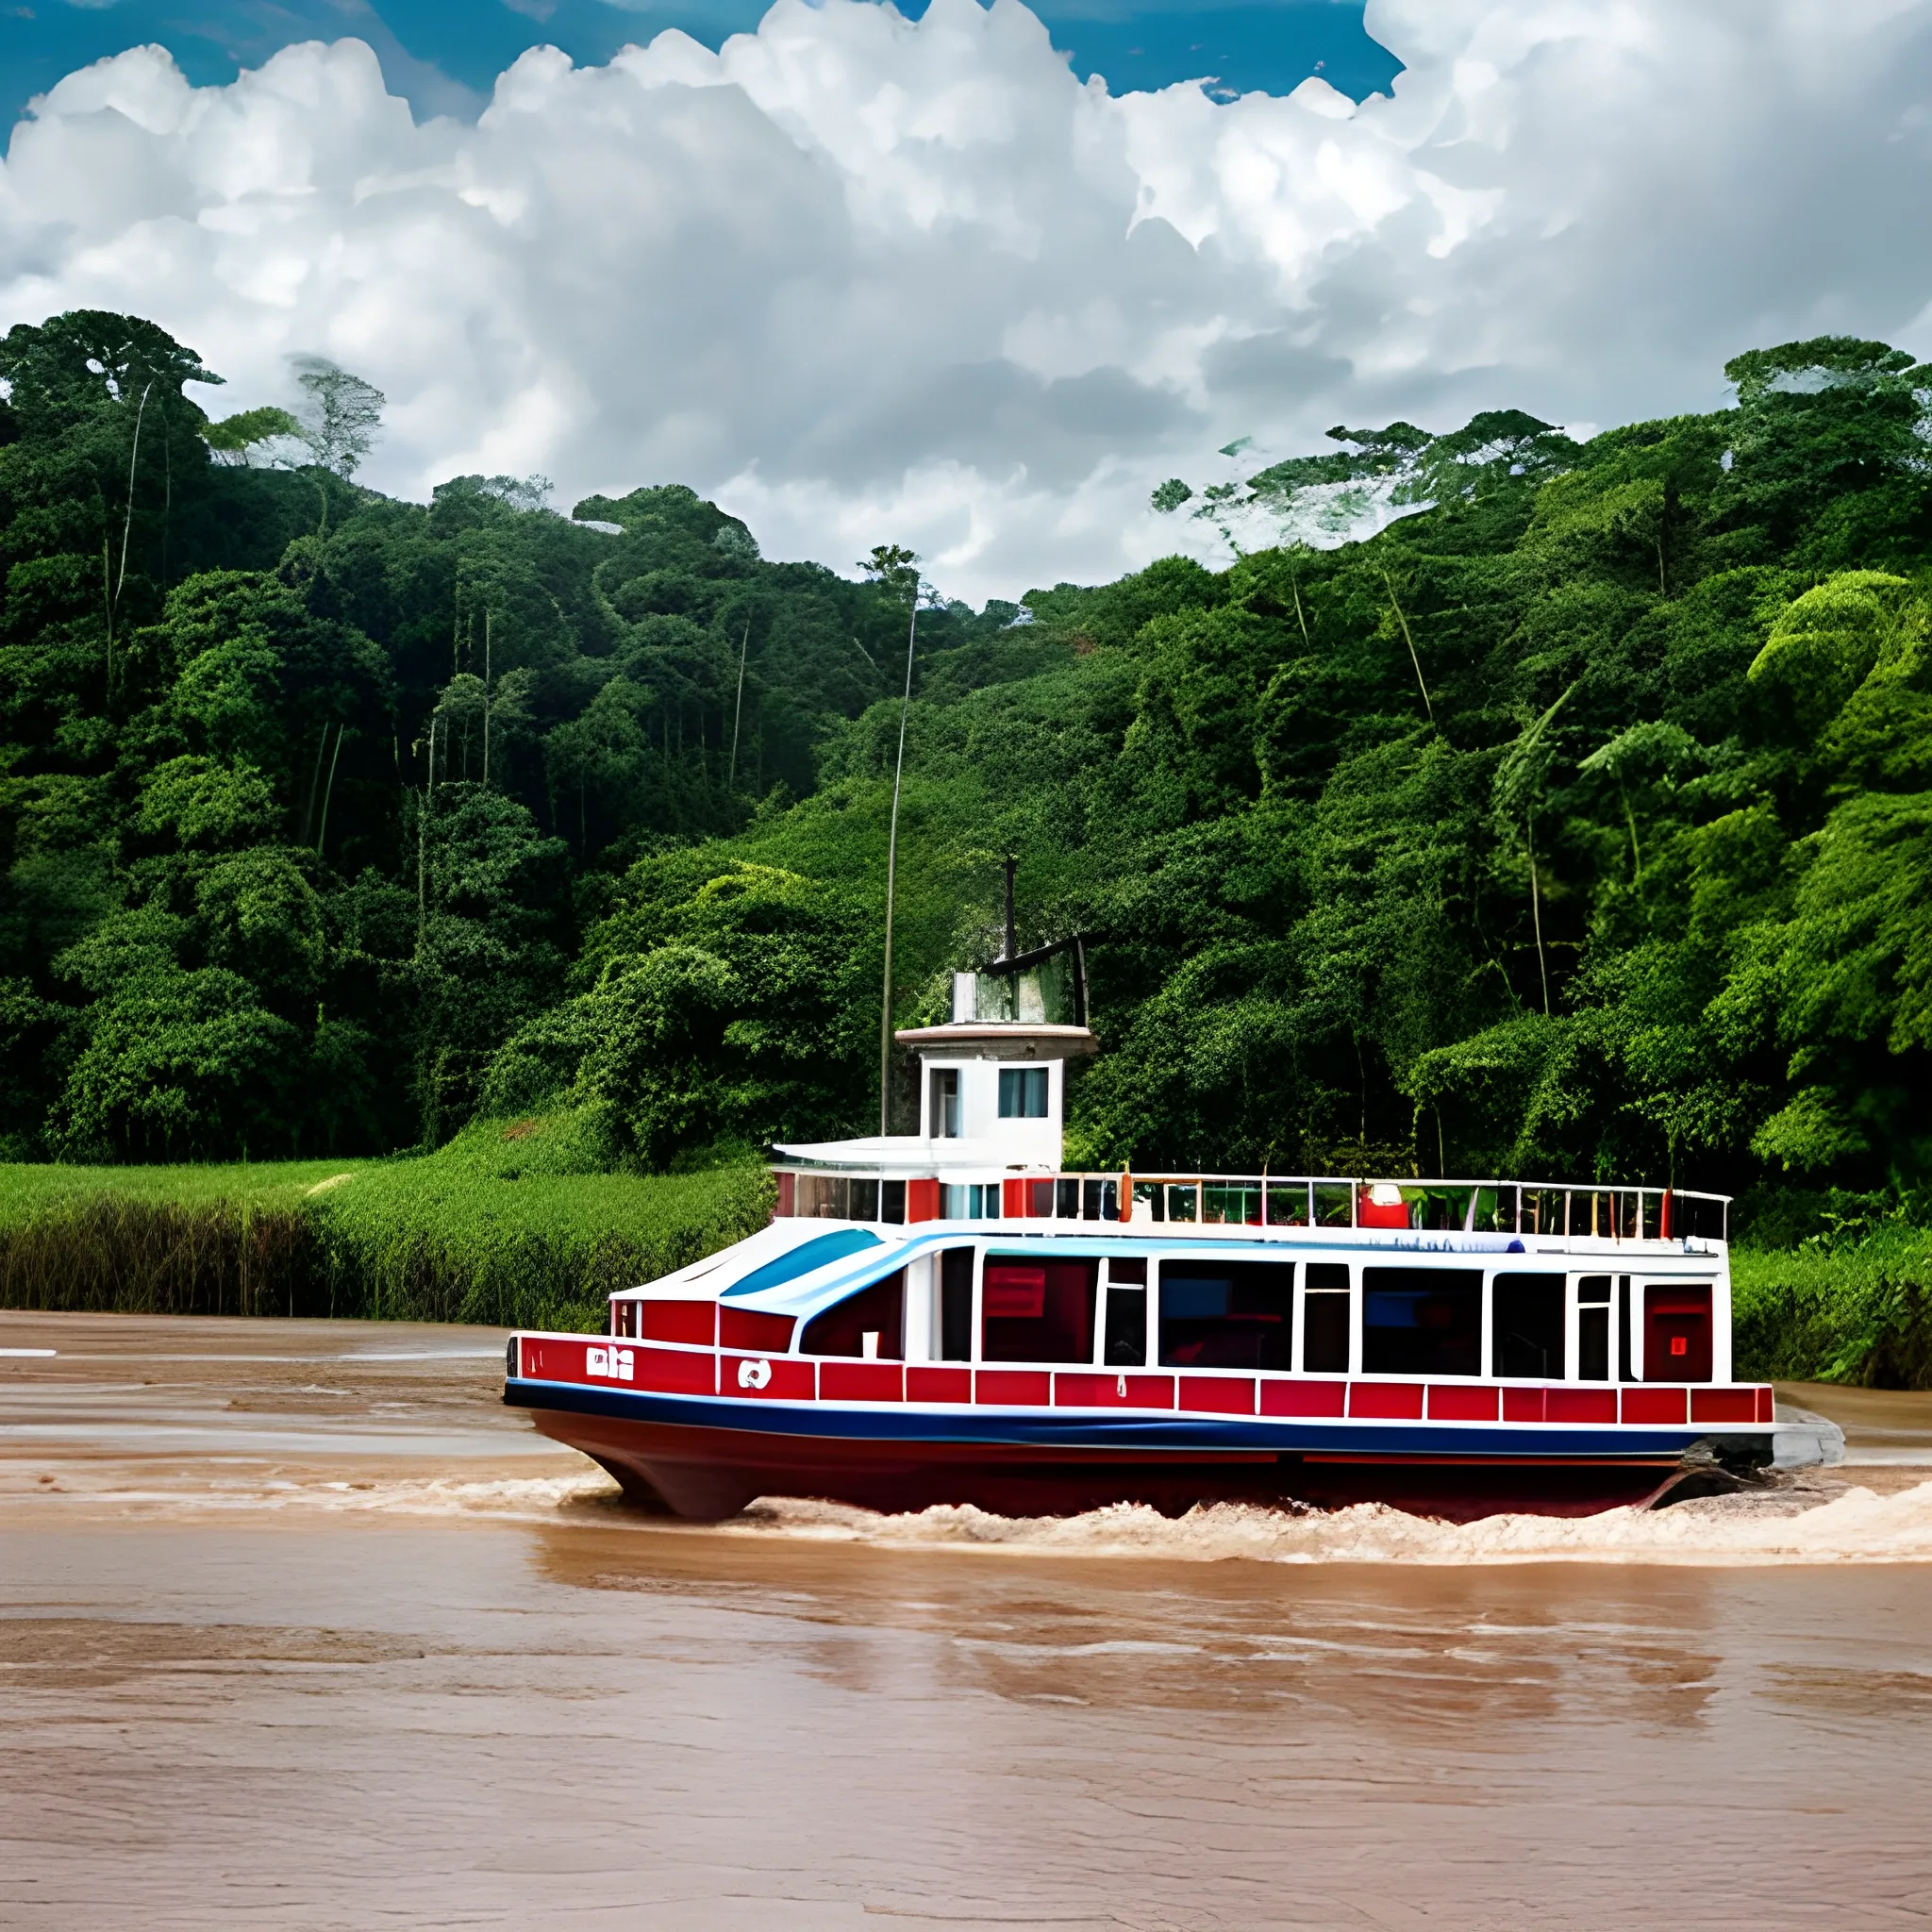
(512, 1222)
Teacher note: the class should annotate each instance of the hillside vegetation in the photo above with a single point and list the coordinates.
(1578, 821)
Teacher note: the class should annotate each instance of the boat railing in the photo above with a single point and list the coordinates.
(1550, 1208)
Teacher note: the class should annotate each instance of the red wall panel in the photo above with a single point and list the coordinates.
(747, 1328)
(1724, 1405)
(850, 1381)
(674, 1371)
(1654, 1405)
(1523, 1405)
(1015, 1388)
(1386, 1401)
(1580, 1406)
(938, 1384)
(788, 1381)
(1304, 1399)
(1452, 1403)
(1112, 1392)
(1218, 1394)
(681, 1322)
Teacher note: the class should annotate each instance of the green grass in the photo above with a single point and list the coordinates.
(28, 1192)
(1853, 1311)
(513, 1222)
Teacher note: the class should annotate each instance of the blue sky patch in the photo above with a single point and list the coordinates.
(443, 55)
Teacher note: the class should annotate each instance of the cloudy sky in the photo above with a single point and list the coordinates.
(867, 278)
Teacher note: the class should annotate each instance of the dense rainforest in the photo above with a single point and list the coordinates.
(1578, 820)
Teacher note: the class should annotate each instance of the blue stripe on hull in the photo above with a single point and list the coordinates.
(1088, 1431)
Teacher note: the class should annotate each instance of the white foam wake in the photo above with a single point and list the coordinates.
(525, 1499)
(1856, 1527)
(1852, 1526)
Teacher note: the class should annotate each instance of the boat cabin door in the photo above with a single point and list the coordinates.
(1677, 1333)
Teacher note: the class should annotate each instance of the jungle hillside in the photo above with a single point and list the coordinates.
(1512, 803)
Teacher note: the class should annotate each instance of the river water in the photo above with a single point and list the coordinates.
(299, 1627)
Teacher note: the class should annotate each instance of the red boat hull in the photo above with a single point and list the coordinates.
(707, 1473)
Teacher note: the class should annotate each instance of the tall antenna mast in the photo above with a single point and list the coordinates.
(893, 880)
(737, 712)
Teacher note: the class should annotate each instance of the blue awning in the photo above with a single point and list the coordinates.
(816, 1253)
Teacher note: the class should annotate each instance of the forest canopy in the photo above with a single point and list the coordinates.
(1580, 820)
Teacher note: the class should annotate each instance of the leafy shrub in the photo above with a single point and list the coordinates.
(1853, 1311)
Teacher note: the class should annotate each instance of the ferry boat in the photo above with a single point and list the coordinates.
(949, 1317)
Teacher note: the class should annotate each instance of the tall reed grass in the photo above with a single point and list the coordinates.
(511, 1223)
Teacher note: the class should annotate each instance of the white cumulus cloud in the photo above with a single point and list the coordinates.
(863, 279)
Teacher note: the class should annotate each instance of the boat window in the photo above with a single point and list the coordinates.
(1603, 1213)
(1440, 1208)
(1037, 1312)
(944, 1114)
(969, 1201)
(878, 1310)
(823, 1197)
(1334, 1204)
(1131, 1269)
(892, 1201)
(1022, 1094)
(865, 1201)
(1422, 1320)
(1125, 1343)
(1623, 1328)
(1495, 1212)
(1231, 1201)
(1526, 1329)
(1325, 1318)
(1288, 1206)
(1700, 1218)
(1226, 1314)
(1593, 1328)
(1100, 1200)
(956, 1305)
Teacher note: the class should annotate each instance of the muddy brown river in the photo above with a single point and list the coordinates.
(299, 1627)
